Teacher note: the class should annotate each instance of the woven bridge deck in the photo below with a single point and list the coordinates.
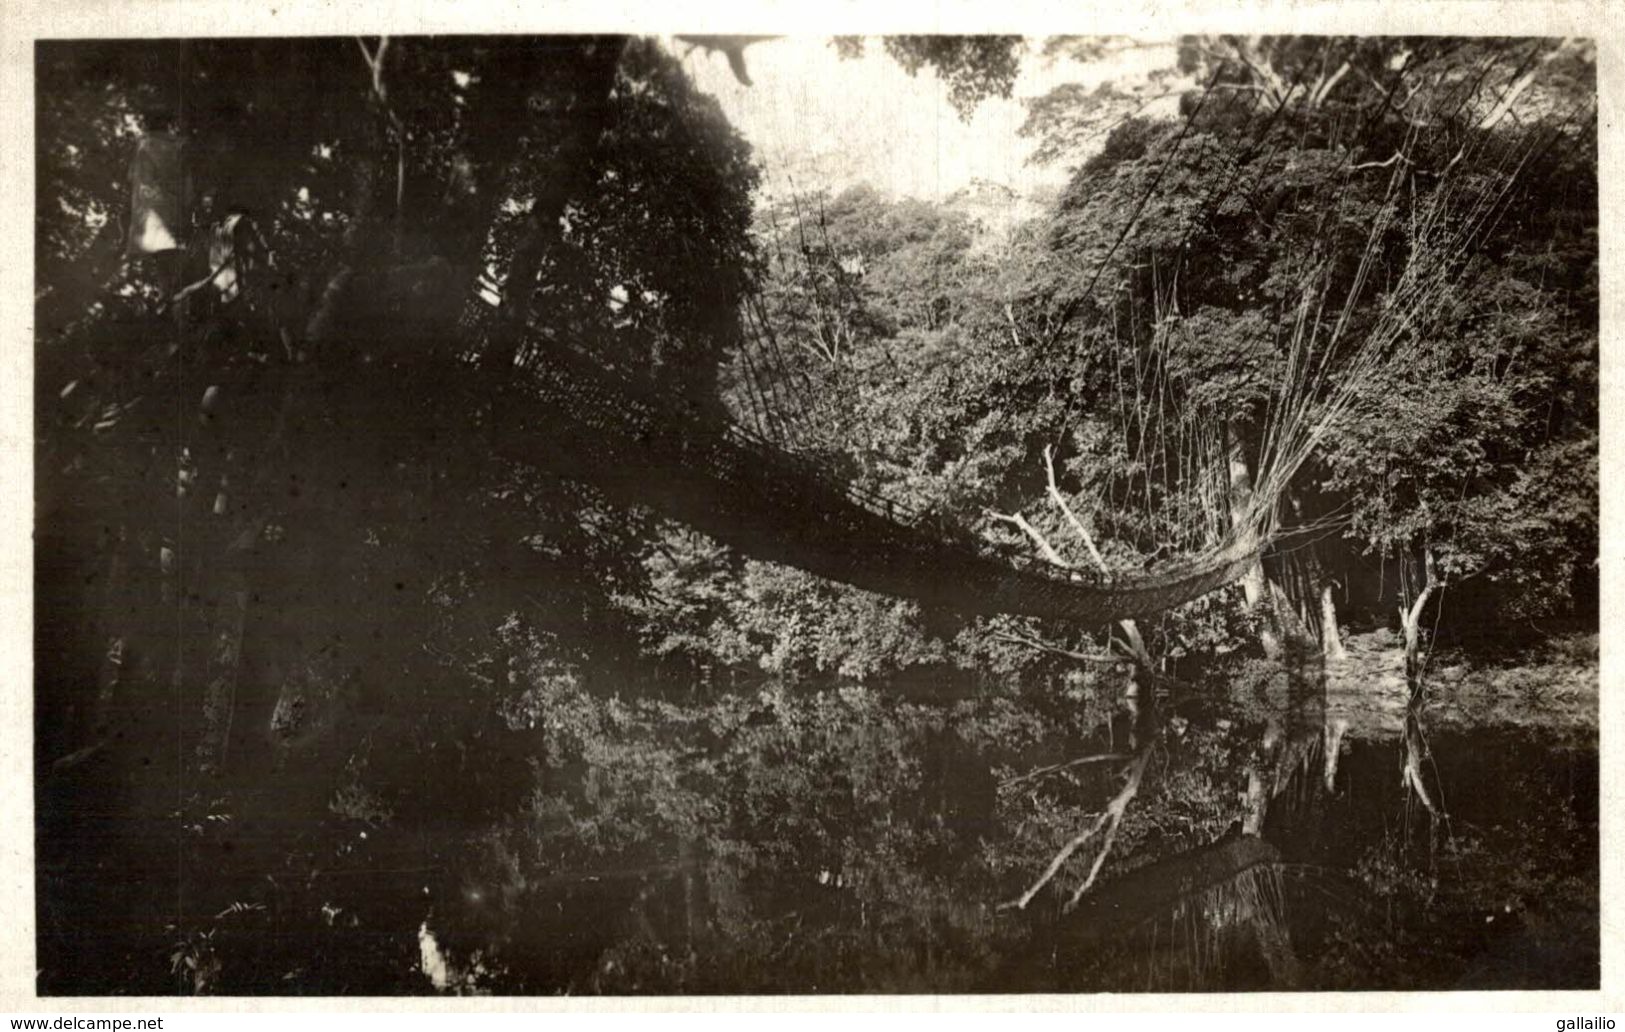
(563, 413)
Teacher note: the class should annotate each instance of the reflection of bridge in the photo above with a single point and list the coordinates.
(770, 504)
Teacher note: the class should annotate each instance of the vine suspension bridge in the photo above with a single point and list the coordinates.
(769, 503)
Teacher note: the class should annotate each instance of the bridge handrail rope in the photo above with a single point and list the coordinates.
(900, 548)
(479, 325)
(626, 402)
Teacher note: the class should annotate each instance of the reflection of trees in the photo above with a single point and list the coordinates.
(1416, 754)
(851, 842)
(1107, 824)
(1180, 921)
(1418, 777)
(1297, 734)
(1219, 908)
(1224, 913)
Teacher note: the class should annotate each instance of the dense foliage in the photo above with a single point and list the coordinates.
(302, 608)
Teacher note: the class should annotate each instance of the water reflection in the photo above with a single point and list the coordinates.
(1330, 869)
(1216, 912)
(1175, 841)
(1275, 829)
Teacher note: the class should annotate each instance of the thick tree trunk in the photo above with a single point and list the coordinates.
(1416, 753)
(1313, 603)
(1331, 635)
(1410, 622)
(570, 101)
(1255, 586)
(1136, 645)
(1333, 737)
(1258, 802)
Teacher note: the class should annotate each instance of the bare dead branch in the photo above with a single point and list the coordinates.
(76, 757)
(1131, 630)
(1044, 646)
(1032, 532)
(1116, 809)
(1020, 903)
(1109, 819)
(375, 64)
(1324, 87)
(1397, 156)
(1066, 510)
(1516, 90)
(380, 90)
(1054, 768)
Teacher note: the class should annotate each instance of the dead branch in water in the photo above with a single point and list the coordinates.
(1055, 768)
(1110, 820)
(1104, 658)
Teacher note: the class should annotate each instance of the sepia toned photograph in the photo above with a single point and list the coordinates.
(747, 515)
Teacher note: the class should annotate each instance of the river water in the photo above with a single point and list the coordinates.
(1271, 830)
